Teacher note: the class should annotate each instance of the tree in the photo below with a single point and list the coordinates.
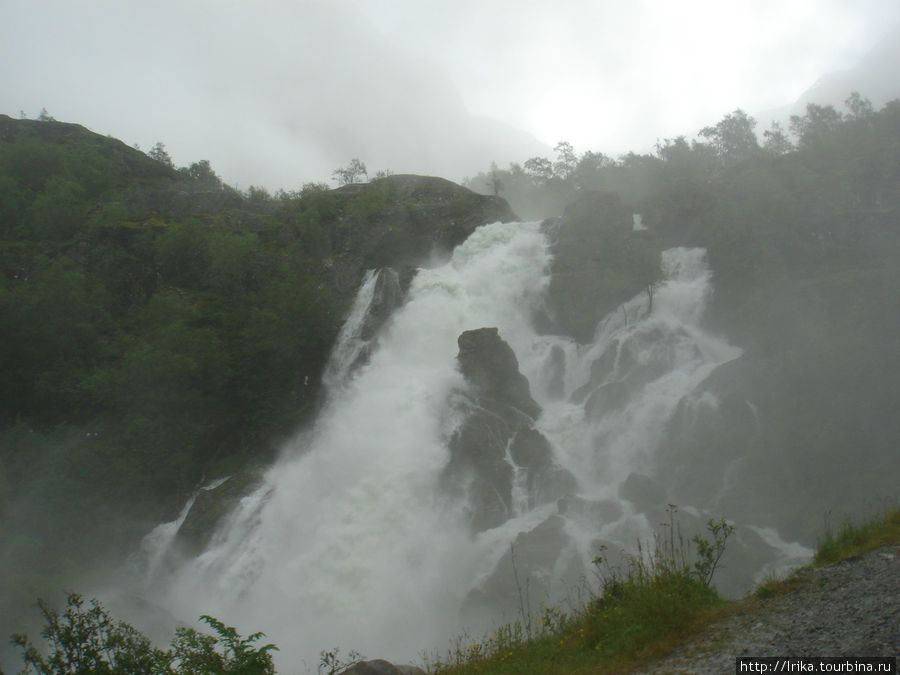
(588, 171)
(202, 173)
(818, 121)
(733, 138)
(182, 254)
(47, 321)
(566, 159)
(58, 211)
(539, 168)
(88, 640)
(354, 172)
(776, 141)
(258, 195)
(495, 180)
(860, 108)
(158, 152)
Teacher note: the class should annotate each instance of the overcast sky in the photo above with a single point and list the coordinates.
(278, 92)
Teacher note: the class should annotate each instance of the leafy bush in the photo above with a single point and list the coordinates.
(87, 640)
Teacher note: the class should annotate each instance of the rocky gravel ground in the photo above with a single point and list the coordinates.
(851, 608)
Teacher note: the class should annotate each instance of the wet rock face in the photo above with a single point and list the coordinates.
(526, 568)
(210, 506)
(420, 216)
(497, 446)
(725, 449)
(491, 366)
(386, 298)
(643, 492)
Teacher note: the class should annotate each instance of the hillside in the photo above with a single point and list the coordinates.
(159, 326)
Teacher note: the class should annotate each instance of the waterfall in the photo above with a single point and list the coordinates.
(350, 540)
(350, 341)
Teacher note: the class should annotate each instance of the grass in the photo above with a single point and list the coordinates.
(660, 602)
(641, 614)
(852, 540)
(849, 541)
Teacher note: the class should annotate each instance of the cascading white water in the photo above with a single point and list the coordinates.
(350, 343)
(149, 561)
(669, 354)
(351, 542)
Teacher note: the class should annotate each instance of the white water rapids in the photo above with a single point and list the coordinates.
(351, 541)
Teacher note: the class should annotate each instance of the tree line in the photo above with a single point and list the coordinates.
(540, 187)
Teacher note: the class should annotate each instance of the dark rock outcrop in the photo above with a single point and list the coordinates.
(490, 365)
(385, 299)
(210, 506)
(402, 221)
(643, 491)
(497, 443)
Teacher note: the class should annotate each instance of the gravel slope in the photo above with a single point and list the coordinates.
(851, 608)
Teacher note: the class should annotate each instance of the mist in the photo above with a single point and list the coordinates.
(284, 93)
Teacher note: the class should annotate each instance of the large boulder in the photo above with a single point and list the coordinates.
(489, 364)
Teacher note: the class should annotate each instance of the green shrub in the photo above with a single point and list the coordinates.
(86, 640)
(853, 539)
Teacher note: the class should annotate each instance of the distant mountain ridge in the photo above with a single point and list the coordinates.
(876, 77)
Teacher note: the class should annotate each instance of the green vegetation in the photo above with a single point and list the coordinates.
(852, 539)
(639, 614)
(161, 328)
(158, 327)
(662, 598)
(600, 263)
(659, 604)
(855, 539)
(88, 640)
